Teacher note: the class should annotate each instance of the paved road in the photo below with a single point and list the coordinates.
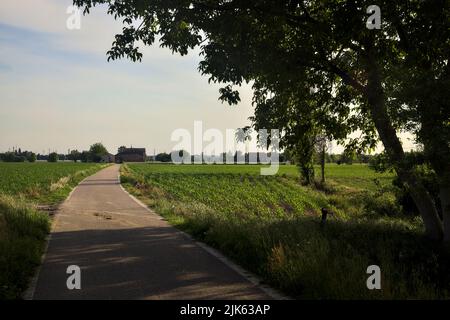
(126, 252)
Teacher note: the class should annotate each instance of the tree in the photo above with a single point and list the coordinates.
(53, 157)
(319, 57)
(163, 157)
(31, 157)
(97, 151)
(85, 156)
(121, 149)
(74, 155)
(321, 146)
(244, 135)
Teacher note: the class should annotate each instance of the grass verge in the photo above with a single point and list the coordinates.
(23, 230)
(293, 251)
(22, 239)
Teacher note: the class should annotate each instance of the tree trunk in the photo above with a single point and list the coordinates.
(322, 164)
(437, 150)
(445, 202)
(444, 195)
(394, 149)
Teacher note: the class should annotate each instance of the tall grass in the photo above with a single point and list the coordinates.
(290, 249)
(22, 228)
(22, 239)
(44, 183)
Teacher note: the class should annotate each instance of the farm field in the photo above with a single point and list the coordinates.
(23, 228)
(271, 226)
(45, 183)
(357, 176)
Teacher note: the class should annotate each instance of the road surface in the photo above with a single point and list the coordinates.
(126, 252)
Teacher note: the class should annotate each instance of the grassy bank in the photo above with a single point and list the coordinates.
(22, 238)
(43, 183)
(23, 229)
(271, 226)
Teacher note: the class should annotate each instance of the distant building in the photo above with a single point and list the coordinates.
(131, 155)
(108, 158)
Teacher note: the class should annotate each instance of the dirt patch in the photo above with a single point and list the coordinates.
(48, 209)
(61, 183)
(103, 215)
(287, 207)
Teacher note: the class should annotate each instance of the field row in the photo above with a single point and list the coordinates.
(34, 180)
(272, 227)
(358, 176)
(238, 195)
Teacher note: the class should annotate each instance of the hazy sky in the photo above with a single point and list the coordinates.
(58, 92)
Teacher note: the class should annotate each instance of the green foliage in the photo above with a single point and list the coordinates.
(304, 156)
(85, 156)
(22, 238)
(271, 226)
(22, 228)
(43, 182)
(53, 157)
(32, 157)
(236, 194)
(97, 151)
(74, 155)
(163, 157)
(316, 62)
(430, 182)
(12, 157)
(318, 48)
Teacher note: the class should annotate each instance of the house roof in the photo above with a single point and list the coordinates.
(139, 151)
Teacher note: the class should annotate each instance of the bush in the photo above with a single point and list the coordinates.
(404, 199)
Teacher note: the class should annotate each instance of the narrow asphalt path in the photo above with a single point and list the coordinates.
(126, 252)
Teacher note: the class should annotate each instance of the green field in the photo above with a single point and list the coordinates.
(237, 189)
(357, 176)
(23, 228)
(271, 226)
(233, 190)
(45, 183)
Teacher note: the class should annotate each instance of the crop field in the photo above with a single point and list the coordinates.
(23, 228)
(241, 190)
(232, 190)
(357, 176)
(271, 226)
(41, 181)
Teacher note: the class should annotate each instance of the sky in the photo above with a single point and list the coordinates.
(58, 92)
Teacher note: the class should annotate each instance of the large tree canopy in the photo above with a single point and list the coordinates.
(316, 66)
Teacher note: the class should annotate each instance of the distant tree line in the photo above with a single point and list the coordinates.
(287, 156)
(95, 153)
(18, 156)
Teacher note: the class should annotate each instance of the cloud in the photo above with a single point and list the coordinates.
(60, 92)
